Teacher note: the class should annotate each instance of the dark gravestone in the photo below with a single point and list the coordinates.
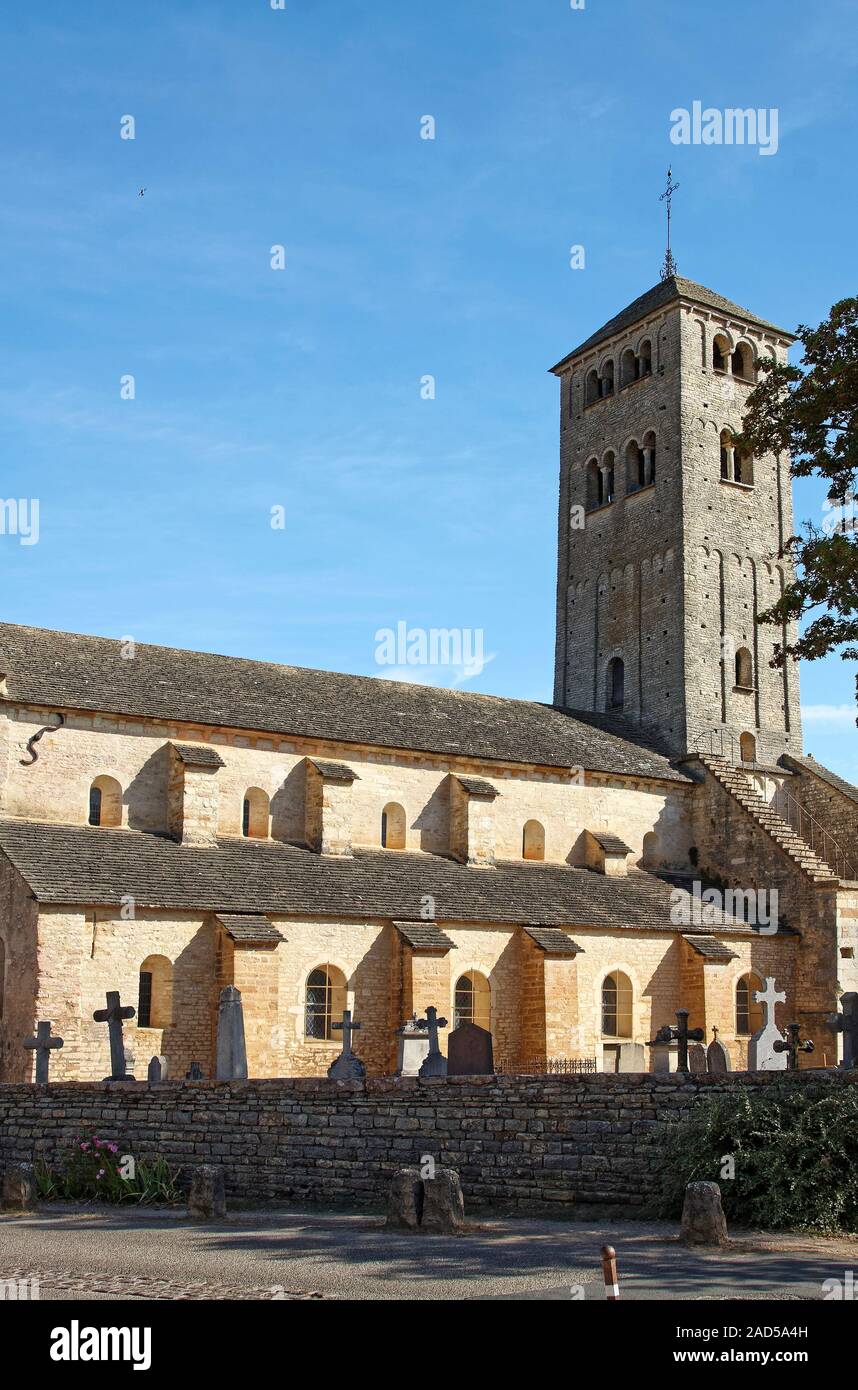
(717, 1057)
(469, 1051)
(845, 1023)
(697, 1059)
(114, 1016)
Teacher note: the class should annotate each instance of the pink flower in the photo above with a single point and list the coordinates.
(84, 1146)
(114, 1148)
(100, 1173)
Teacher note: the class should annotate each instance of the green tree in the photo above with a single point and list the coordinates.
(809, 412)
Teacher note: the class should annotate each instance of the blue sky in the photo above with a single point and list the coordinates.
(300, 388)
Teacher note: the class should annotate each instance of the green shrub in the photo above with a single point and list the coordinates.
(92, 1170)
(795, 1151)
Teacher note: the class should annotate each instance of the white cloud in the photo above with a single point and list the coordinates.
(829, 714)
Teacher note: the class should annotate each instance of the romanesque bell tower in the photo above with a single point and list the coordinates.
(668, 535)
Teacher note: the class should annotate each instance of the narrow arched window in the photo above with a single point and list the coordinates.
(749, 1014)
(648, 451)
(591, 388)
(473, 1000)
(644, 363)
(105, 802)
(255, 814)
(748, 748)
(606, 381)
(720, 353)
(393, 826)
(324, 1003)
(744, 669)
(742, 363)
(533, 841)
(634, 466)
(628, 367)
(616, 691)
(155, 993)
(607, 474)
(617, 1006)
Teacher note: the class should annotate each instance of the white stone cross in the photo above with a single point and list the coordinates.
(768, 997)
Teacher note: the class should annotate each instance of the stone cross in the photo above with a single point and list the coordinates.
(434, 1063)
(763, 1054)
(682, 1035)
(231, 1050)
(347, 1067)
(113, 1016)
(43, 1044)
(793, 1045)
(847, 1024)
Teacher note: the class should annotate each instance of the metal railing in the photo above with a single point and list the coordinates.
(808, 828)
(544, 1066)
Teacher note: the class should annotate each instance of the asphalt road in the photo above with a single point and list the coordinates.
(119, 1254)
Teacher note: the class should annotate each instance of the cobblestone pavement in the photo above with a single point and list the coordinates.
(91, 1284)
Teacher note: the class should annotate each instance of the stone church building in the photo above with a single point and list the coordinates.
(172, 821)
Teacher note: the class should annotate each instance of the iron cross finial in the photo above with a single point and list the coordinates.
(669, 267)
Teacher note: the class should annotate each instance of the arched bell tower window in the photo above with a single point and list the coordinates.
(720, 353)
(616, 684)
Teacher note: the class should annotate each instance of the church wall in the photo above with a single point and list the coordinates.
(56, 788)
(18, 983)
(733, 535)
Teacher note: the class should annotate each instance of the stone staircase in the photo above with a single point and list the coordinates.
(739, 787)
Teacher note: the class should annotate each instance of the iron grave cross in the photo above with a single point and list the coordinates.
(347, 1067)
(43, 1044)
(847, 1024)
(792, 1046)
(113, 1016)
(348, 1028)
(682, 1035)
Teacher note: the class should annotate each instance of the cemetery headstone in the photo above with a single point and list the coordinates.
(469, 1051)
(697, 1059)
(194, 1072)
(792, 1045)
(231, 1056)
(717, 1056)
(412, 1046)
(347, 1067)
(679, 1033)
(43, 1044)
(632, 1057)
(847, 1024)
(157, 1070)
(113, 1016)
(762, 1055)
(434, 1063)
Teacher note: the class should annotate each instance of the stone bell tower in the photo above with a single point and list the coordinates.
(668, 537)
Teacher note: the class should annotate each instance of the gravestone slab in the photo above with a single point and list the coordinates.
(761, 1048)
(157, 1070)
(412, 1047)
(845, 1023)
(469, 1051)
(665, 1057)
(717, 1058)
(632, 1057)
(231, 1063)
(697, 1059)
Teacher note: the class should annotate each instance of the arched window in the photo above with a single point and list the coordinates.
(651, 850)
(635, 467)
(2, 974)
(720, 353)
(607, 477)
(617, 1006)
(393, 826)
(749, 1014)
(726, 442)
(644, 362)
(591, 387)
(155, 997)
(324, 1003)
(593, 484)
(648, 451)
(748, 748)
(615, 695)
(533, 841)
(743, 467)
(744, 669)
(105, 802)
(606, 380)
(473, 1001)
(255, 814)
(628, 367)
(742, 363)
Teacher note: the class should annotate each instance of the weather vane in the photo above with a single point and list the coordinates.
(669, 267)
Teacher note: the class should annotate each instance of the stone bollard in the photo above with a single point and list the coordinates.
(426, 1204)
(443, 1203)
(207, 1197)
(18, 1184)
(703, 1220)
(405, 1199)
